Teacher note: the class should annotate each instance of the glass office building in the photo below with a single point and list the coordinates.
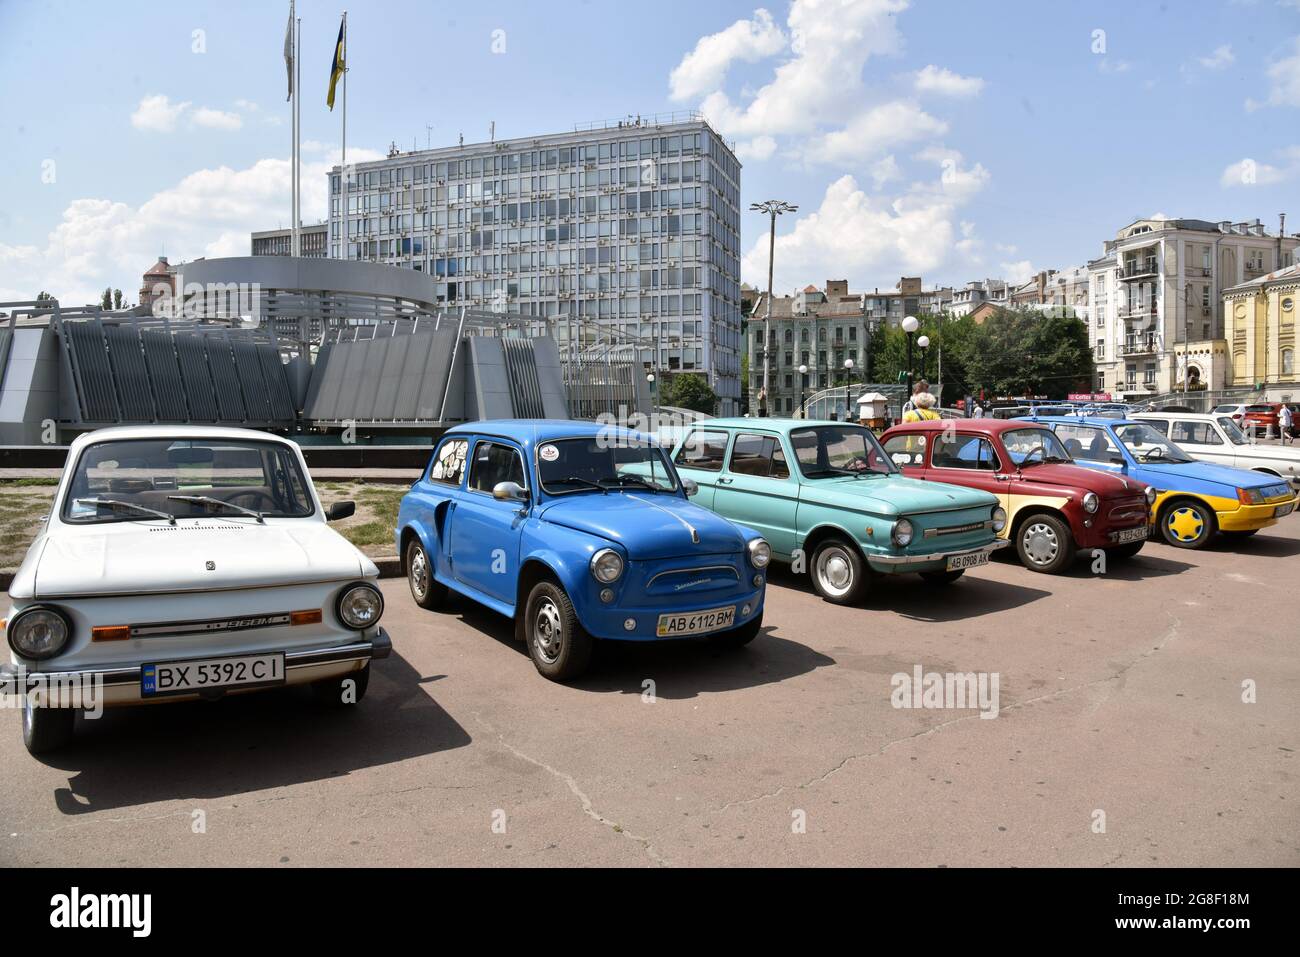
(623, 237)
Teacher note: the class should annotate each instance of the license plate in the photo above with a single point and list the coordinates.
(696, 622)
(1138, 534)
(188, 677)
(1286, 509)
(971, 560)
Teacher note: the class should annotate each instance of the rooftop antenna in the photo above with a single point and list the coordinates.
(428, 136)
(462, 139)
(492, 131)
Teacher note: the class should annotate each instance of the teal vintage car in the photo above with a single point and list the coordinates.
(830, 501)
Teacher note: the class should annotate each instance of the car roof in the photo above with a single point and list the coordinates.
(990, 426)
(527, 432)
(121, 432)
(1096, 420)
(768, 424)
(1194, 416)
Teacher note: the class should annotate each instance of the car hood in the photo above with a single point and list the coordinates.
(1208, 472)
(1278, 453)
(648, 525)
(1086, 479)
(139, 557)
(893, 495)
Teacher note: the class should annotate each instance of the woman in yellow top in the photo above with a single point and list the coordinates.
(922, 408)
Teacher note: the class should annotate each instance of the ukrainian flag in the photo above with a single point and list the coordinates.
(337, 67)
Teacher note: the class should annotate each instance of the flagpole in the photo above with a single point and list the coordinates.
(297, 163)
(291, 57)
(343, 248)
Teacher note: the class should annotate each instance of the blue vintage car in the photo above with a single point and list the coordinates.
(577, 531)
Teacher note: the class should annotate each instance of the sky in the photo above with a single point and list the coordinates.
(950, 140)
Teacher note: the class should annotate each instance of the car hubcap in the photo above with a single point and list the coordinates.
(419, 573)
(548, 636)
(1185, 524)
(835, 571)
(1041, 543)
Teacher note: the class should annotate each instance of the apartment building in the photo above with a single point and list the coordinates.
(625, 236)
(1261, 333)
(976, 293)
(1156, 293)
(313, 240)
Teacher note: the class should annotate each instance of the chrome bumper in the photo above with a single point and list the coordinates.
(378, 646)
(897, 561)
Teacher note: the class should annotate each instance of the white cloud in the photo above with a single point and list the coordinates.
(157, 114)
(1248, 172)
(873, 131)
(211, 212)
(831, 41)
(703, 69)
(885, 171)
(1118, 66)
(1022, 270)
(1220, 58)
(853, 233)
(757, 149)
(1284, 79)
(216, 119)
(935, 79)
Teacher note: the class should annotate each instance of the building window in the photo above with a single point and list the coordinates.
(1288, 362)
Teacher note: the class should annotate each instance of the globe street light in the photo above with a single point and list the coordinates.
(848, 389)
(923, 343)
(803, 392)
(910, 325)
(774, 208)
(650, 378)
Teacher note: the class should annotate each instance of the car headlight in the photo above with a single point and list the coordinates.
(360, 606)
(1151, 495)
(760, 553)
(1250, 496)
(1091, 502)
(999, 518)
(902, 533)
(607, 566)
(39, 632)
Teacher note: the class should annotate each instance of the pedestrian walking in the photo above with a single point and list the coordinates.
(1284, 422)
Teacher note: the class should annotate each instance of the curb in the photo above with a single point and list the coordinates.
(390, 567)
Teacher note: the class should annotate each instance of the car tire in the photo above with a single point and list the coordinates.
(942, 578)
(334, 692)
(558, 644)
(1045, 544)
(739, 637)
(427, 591)
(1187, 523)
(46, 729)
(1125, 552)
(839, 573)
(1239, 535)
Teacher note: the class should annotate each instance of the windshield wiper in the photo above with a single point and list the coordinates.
(624, 480)
(115, 504)
(216, 503)
(586, 483)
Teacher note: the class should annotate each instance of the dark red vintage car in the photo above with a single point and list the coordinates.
(1054, 507)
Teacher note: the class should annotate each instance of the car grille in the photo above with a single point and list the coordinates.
(685, 581)
(957, 529)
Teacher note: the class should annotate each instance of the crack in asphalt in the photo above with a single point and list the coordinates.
(1174, 629)
(588, 808)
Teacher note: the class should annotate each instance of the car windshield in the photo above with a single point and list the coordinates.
(156, 479)
(1034, 446)
(1232, 431)
(603, 463)
(828, 450)
(1148, 445)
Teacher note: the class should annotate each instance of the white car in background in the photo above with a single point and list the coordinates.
(1217, 438)
(182, 563)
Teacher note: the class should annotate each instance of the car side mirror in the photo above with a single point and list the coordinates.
(340, 510)
(509, 492)
(690, 486)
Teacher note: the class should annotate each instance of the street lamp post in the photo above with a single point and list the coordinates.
(848, 389)
(803, 392)
(650, 378)
(910, 326)
(923, 343)
(774, 208)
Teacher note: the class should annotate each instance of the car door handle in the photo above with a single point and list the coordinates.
(725, 481)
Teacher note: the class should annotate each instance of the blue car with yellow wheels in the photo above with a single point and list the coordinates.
(1194, 500)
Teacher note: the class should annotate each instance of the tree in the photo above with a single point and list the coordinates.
(106, 300)
(690, 390)
(1022, 353)
(117, 299)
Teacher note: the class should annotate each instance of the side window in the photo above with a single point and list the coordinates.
(495, 463)
(1195, 433)
(759, 455)
(1160, 425)
(906, 450)
(956, 451)
(703, 449)
(448, 466)
(1088, 443)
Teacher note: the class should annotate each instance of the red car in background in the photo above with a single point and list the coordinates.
(1054, 507)
(1261, 419)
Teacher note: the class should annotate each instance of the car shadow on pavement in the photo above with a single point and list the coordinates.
(1151, 562)
(679, 669)
(1262, 544)
(246, 743)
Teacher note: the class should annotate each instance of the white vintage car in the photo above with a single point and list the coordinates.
(184, 562)
(1219, 439)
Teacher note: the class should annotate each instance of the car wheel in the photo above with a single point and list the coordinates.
(942, 578)
(427, 591)
(343, 691)
(1124, 552)
(557, 643)
(1045, 544)
(839, 575)
(1188, 523)
(1240, 534)
(46, 729)
(739, 637)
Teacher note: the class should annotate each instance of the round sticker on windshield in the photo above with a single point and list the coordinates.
(548, 453)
